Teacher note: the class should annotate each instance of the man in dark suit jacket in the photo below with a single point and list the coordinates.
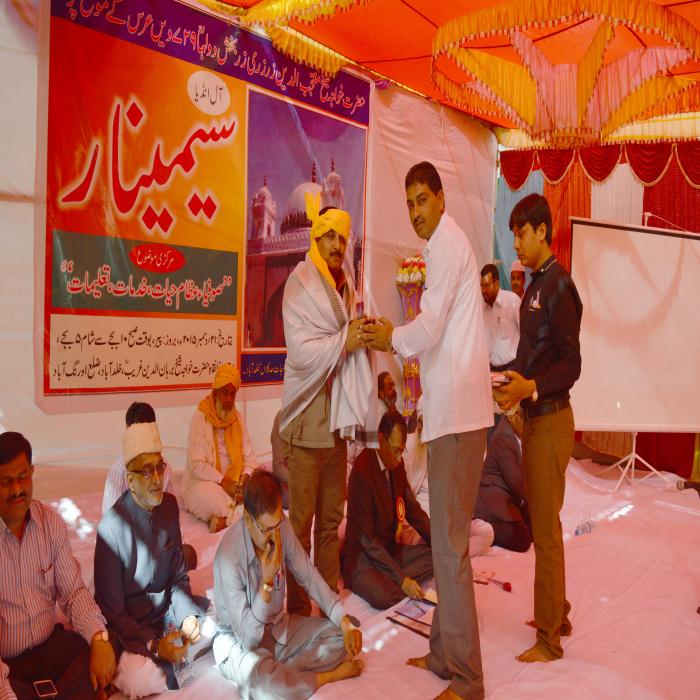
(380, 501)
(501, 498)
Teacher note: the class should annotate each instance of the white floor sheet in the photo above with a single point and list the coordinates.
(634, 586)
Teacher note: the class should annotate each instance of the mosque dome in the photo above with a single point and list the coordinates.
(295, 210)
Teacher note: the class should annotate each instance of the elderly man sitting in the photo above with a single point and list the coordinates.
(141, 583)
(267, 652)
(116, 484)
(220, 455)
(39, 570)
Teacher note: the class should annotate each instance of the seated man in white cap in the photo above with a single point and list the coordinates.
(116, 484)
(517, 278)
(141, 582)
(220, 454)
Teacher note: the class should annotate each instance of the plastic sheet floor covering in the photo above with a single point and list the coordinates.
(633, 582)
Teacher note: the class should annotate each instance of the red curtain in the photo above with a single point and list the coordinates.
(600, 161)
(670, 452)
(673, 201)
(649, 160)
(516, 166)
(571, 197)
(554, 162)
(688, 153)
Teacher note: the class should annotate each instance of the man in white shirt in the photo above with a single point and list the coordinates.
(386, 393)
(448, 335)
(220, 454)
(501, 320)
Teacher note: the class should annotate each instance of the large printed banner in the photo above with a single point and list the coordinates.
(175, 139)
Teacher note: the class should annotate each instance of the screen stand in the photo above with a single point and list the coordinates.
(627, 466)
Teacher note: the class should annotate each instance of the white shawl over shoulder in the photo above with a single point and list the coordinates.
(315, 330)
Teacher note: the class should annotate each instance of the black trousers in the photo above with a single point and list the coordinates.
(63, 658)
(380, 591)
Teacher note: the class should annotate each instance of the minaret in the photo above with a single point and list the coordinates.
(333, 193)
(264, 214)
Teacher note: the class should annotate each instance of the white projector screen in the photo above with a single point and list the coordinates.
(640, 331)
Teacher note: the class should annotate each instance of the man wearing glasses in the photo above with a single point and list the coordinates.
(375, 564)
(141, 582)
(263, 650)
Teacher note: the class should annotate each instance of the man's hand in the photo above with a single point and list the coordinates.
(377, 336)
(168, 650)
(351, 636)
(102, 663)
(233, 489)
(412, 589)
(507, 396)
(271, 558)
(190, 628)
(353, 340)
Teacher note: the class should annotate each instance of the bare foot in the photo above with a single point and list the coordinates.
(565, 630)
(534, 653)
(347, 669)
(419, 662)
(448, 694)
(216, 523)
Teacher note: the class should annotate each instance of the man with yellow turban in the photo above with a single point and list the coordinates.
(220, 454)
(328, 391)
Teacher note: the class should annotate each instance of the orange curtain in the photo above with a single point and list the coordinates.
(570, 197)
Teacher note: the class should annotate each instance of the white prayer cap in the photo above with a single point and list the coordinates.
(517, 266)
(139, 439)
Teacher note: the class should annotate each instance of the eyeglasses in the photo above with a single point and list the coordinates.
(265, 530)
(150, 470)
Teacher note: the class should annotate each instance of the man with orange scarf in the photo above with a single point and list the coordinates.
(220, 454)
(328, 392)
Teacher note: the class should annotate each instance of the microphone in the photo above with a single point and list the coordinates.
(682, 485)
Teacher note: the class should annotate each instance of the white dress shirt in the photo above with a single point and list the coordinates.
(502, 325)
(448, 336)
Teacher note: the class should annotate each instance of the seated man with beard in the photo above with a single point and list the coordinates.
(141, 583)
(220, 454)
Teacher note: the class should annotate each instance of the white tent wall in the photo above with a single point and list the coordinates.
(404, 129)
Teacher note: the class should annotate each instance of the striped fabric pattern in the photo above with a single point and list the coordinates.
(36, 573)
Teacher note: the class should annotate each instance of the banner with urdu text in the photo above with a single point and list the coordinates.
(164, 253)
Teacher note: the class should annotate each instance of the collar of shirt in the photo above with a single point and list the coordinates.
(383, 468)
(544, 267)
(441, 225)
(249, 546)
(27, 517)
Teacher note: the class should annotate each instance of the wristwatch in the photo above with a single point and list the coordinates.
(268, 587)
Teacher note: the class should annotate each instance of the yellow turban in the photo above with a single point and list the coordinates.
(227, 374)
(333, 220)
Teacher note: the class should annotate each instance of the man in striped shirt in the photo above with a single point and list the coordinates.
(38, 570)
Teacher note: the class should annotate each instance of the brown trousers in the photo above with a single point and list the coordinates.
(455, 463)
(317, 488)
(547, 444)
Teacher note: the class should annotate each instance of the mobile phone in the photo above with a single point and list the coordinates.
(45, 689)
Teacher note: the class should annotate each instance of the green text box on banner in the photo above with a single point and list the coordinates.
(116, 274)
